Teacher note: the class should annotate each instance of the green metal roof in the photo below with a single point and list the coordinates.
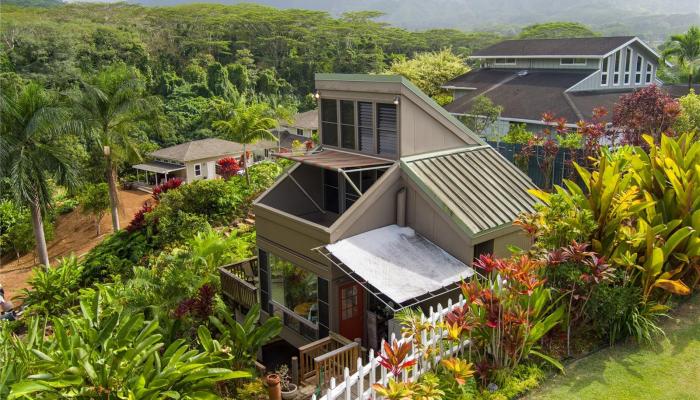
(476, 186)
(408, 84)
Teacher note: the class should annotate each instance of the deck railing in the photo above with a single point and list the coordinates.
(239, 282)
(331, 355)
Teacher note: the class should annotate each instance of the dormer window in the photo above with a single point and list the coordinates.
(572, 61)
(504, 61)
(365, 126)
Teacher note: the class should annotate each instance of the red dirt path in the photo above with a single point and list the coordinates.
(74, 233)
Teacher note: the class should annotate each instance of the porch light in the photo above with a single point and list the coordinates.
(396, 100)
(317, 94)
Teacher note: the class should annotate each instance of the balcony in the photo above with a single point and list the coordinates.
(239, 282)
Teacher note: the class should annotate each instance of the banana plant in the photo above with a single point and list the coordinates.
(104, 352)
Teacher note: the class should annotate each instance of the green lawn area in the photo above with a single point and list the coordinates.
(670, 370)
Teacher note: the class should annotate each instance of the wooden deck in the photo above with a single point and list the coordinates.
(239, 282)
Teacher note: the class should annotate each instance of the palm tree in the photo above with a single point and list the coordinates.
(110, 108)
(247, 124)
(32, 152)
(686, 48)
(281, 112)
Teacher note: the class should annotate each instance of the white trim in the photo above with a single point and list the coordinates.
(605, 72)
(570, 89)
(509, 119)
(617, 64)
(451, 87)
(539, 56)
(648, 72)
(197, 171)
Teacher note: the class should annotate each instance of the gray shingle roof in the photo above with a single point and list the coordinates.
(594, 46)
(479, 188)
(207, 148)
(304, 120)
(522, 97)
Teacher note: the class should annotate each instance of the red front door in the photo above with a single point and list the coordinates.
(352, 310)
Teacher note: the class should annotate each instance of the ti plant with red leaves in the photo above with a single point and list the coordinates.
(164, 187)
(508, 311)
(227, 167)
(394, 357)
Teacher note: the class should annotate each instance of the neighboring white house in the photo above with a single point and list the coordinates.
(194, 160)
(305, 124)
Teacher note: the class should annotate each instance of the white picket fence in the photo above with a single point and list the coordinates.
(354, 387)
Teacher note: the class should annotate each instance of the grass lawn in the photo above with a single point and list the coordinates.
(670, 370)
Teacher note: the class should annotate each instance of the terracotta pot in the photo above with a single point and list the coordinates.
(274, 390)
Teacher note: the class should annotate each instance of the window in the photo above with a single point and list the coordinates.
(650, 68)
(616, 70)
(364, 127)
(386, 129)
(572, 61)
(349, 302)
(604, 72)
(329, 122)
(638, 70)
(504, 61)
(198, 170)
(331, 191)
(347, 124)
(300, 132)
(363, 180)
(628, 65)
(294, 288)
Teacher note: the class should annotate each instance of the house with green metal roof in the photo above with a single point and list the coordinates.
(388, 212)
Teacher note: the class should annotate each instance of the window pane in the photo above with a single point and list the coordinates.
(330, 178)
(347, 112)
(294, 288)
(347, 136)
(329, 110)
(329, 133)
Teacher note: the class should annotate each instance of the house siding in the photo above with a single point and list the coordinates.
(541, 63)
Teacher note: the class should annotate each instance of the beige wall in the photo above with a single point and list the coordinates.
(189, 167)
(422, 127)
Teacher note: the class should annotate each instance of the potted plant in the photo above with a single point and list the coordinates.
(289, 389)
(297, 147)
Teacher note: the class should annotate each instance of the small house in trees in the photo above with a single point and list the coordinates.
(387, 213)
(566, 77)
(195, 160)
(303, 124)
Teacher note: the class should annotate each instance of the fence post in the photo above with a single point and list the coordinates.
(348, 388)
(360, 378)
(372, 372)
(295, 370)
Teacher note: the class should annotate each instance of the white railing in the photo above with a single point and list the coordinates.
(354, 387)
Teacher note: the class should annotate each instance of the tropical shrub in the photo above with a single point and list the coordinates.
(94, 200)
(114, 256)
(247, 338)
(16, 232)
(54, 291)
(161, 189)
(647, 111)
(507, 313)
(227, 167)
(518, 134)
(105, 352)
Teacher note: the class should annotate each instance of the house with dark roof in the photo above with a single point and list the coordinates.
(568, 77)
(387, 213)
(194, 160)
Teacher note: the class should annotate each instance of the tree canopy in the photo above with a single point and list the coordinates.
(556, 30)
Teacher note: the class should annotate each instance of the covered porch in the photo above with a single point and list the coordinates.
(154, 173)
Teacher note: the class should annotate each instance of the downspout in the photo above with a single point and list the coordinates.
(401, 207)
